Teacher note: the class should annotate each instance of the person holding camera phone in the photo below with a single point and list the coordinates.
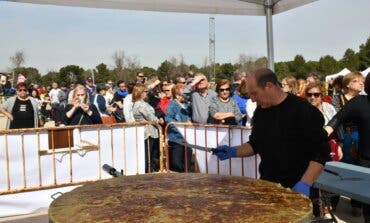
(80, 111)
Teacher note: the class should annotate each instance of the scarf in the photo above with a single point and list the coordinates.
(122, 93)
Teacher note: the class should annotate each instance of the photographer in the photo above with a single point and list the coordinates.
(79, 111)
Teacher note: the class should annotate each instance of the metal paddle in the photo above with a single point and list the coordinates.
(341, 177)
(202, 148)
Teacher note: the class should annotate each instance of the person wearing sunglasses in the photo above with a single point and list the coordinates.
(140, 78)
(314, 93)
(166, 99)
(224, 109)
(143, 112)
(21, 110)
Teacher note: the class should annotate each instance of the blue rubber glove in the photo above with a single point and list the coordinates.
(225, 152)
(302, 188)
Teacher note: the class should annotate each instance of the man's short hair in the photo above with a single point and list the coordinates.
(178, 79)
(120, 82)
(237, 74)
(265, 75)
(315, 76)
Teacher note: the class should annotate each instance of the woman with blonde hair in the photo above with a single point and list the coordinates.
(79, 111)
(142, 111)
(352, 85)
(301, 87)
(315, 93)
(290, 85)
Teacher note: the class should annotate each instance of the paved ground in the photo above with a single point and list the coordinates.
(343, 214)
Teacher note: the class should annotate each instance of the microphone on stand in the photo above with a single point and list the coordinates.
(112, 171)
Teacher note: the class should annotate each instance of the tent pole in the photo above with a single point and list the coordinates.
(269, 32)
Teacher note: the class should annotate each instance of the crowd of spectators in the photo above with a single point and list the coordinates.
(189, 98)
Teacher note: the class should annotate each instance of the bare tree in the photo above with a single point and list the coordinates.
(133, 66)
(182, 67)
(249, 63)
(18, 59)
(119, 59)
(133, 63)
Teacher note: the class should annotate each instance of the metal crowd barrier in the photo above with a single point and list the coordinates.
(201, 137)
(43, 158)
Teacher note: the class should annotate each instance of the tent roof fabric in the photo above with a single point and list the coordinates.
(229, 7)
(340, 73)
(365, 72)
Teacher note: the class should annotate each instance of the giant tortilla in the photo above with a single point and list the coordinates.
(181, 198)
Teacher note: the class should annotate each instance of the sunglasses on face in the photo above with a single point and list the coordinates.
(316, 95)
(224, 89)
(22, 89)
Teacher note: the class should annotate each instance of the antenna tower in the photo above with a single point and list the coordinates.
(212, 68)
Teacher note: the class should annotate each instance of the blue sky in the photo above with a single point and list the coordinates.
(54, 36)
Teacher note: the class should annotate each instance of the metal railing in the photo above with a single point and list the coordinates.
(202, 137)
(43, 158)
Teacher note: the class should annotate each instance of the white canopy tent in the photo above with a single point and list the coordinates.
(340, 73)
(231, 7)
(365, 72)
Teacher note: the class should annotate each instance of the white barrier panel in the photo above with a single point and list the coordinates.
(27, 162)
(211, 137)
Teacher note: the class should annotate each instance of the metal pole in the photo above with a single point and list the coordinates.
(269, 32)
(93, 76)
(13, 79)
(212, 49)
